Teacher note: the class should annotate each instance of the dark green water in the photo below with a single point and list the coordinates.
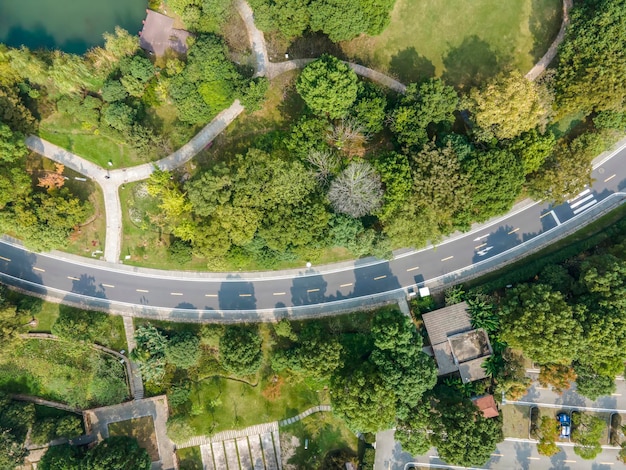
(69, 25)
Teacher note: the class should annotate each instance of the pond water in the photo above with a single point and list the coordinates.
(70, 25)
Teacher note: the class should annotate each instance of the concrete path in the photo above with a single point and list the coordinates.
(256, 38)
(135, 375)
(231, 434)
(549, 56)
(111, 180)
(304, 414)
(97, 423)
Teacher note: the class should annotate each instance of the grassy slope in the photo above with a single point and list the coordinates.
(460, 39)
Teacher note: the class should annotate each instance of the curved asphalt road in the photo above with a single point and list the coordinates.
(194, 292)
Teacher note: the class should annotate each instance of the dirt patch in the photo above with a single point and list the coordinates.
(288, 446)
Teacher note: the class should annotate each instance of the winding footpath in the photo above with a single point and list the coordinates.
(111, 180)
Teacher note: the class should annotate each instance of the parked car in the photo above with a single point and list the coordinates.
(566, 424)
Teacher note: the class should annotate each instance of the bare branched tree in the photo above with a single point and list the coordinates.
(349, 136)
(357, 191)
(325, 164)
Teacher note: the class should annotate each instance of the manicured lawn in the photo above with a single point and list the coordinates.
(239, 404)
(98, 146)
(461, 40)
(71, 373)
(515, 421)
(325, 434)
(141, 429)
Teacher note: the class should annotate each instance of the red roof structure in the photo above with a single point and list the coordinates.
(487, 404)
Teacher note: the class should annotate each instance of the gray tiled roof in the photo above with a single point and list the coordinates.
(446, 322)
(472, 370)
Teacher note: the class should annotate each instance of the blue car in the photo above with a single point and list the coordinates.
(566, 424)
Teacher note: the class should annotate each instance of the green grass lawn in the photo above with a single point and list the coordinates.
(75, 374)
(463, 41)
(99, 146)
(325, 433)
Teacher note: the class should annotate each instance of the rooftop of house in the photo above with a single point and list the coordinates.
(487, 404)
(158, 35)
(446, 322)
(456, 346)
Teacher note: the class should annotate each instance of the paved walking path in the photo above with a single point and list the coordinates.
(48, 403)
(111, 180)
(231, 434)
(304, 414)
(135, 374)
(549, 56)
(256, 38)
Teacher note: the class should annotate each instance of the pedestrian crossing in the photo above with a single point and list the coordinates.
(582, 201)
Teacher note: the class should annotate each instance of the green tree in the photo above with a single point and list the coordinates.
(328, 86)
(369, 108)
(424, 107)
(496, 177)
(406, 372)
(537, 320)
(12, 452)
(183, 350)
(395, 174)
(591, 73)
(79, 325)
(567, 171)
(120, 116)
(240, 350)
(117, 453)
(587, 431)
(360, 398)
(290, 17)
(150, 352)
(549, 432)
(591, 384)
(412, 431)
(316, 354)
(441, 188)
(603, 313)
(461, 434)
(61, 457)
(12, 146)
(283, 330)
(533, 149)
(342, 21)
(509, 104)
